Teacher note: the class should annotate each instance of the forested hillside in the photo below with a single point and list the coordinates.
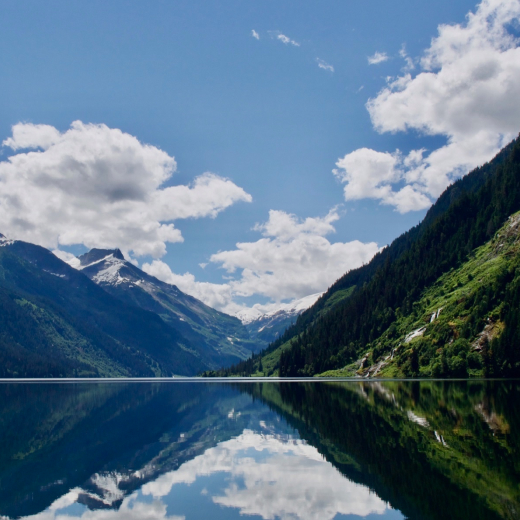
(55, 322)
(365, 303)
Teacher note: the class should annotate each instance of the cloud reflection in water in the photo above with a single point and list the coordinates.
(268, 475)
(281, 478)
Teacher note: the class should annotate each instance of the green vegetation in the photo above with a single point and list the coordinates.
(458, 321)
(435, 265)
(55, 322)
(413, 442)
(214, 338)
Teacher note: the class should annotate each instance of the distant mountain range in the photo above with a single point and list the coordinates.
(220, 339)
(105, 318)
(265, 327)
(442, 300)
(55, 321)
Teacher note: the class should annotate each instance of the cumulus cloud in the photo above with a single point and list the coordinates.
(283, 38)
(100, 187)
(68, 258)
(292, 260)
(32, 136)
(371, 174)
(324, 65)
(218, 296)
(466, 90)
(287, 480)
(255, 35)
(378, 57)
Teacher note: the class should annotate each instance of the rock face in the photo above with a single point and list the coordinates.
(266, 327)
(217, 338)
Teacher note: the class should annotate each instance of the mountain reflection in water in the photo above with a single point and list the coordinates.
(314, 450)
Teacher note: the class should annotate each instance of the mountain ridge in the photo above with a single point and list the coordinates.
(331, 335)
(265, 327)
(216, 338)
(56, 322)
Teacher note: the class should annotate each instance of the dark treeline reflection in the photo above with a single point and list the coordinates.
(433, 450)
(55, 437)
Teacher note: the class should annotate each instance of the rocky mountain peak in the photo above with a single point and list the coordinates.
(95, 255)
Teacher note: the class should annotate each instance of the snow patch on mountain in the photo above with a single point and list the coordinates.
(111, 275)
(4, 241)
(54, 274)
(105, 258)
(294, 308)
(108, 264)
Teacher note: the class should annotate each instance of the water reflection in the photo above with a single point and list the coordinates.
(273, 476)
(266, 450)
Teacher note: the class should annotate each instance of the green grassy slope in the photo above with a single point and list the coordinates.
(454, 325)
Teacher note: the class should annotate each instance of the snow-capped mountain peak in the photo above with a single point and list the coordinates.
(95, 256)
(110, 261)
(4, 241)
(249, 315)
(267, 322)
(293, 308)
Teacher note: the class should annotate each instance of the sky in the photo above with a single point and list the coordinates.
(249, 151)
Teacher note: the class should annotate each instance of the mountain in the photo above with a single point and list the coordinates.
(217, 339)
(55, 322)
(265, 327)
(352, 321)
(458, 326)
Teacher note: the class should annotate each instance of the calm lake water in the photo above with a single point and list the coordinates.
(310, 450)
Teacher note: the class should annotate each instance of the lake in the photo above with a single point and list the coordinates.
(290, 450)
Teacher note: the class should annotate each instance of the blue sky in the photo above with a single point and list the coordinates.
(192, 80)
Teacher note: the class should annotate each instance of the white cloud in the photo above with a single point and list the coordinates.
(365, 170)
(408, 60)
(218, 296)
(467, 91)
(32, 136)
(131, 508)
(371, 174)
(284, 39)
(378, 57)
(100, 187)
(255, 35)
(288, 480)
(292, 260)
(68, 258)
(324, 65)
